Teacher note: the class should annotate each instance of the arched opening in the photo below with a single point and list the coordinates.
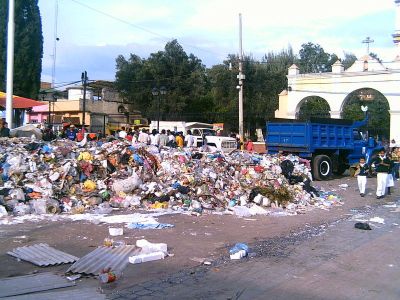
(313, 107)
(378, 111)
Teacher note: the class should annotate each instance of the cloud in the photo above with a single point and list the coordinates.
(208, 29)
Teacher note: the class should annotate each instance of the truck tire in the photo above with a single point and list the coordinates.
(322, 167)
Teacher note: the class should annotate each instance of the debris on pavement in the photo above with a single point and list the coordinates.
(65, 177)
(115, 231)
(239, 251)
(42, 255)
(377, 220)
(149, 252)
(363, 226)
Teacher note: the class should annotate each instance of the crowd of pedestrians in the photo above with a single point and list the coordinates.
(156, 138)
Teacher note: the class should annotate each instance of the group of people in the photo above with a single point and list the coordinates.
(156, 138)
(386, 167)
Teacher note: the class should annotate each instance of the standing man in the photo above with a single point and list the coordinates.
(179, 139)
(143, 137)
(122, 134)
(4, 130)
(189, 139)
(71, 132)
(163, 138)
(154, 138)
(382, 168)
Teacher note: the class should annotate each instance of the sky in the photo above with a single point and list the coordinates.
(92, 33)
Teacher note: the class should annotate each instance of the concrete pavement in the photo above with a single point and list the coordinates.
(333, 261)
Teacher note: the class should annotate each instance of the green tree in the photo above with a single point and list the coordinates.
(183, 75)
(314, 107)
(378, 111)
(28, 47)
(313, 58)
(349, 59)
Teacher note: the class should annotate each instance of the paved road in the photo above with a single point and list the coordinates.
(333, 261)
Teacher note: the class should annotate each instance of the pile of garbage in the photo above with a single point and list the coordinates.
(65, 176)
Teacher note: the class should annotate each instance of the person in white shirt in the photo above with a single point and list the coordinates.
(154, 138)
(170, 135)
(143, 137)
(189, 139)
(122, 134)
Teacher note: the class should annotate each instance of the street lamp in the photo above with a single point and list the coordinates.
(84, 79)
(158, 92)
(54, 99)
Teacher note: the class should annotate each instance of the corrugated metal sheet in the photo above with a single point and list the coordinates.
(42, 255)
(32, 283)
(102, 258)
(64, 294)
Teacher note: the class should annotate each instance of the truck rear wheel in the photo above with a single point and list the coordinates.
(322, 167)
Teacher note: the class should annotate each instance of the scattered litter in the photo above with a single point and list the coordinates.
(28, 284)
(207, 263)
(150, 226)
(148, 247)
(141, 258)
(238, 251)
(390, 205)
(363, 226)
(85, 180)
(115, 231)
(42, 255)
(377, 220)
(107, 276)
(343, 186)
(74, 277)
(149, 252)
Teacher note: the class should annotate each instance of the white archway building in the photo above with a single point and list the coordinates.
(335, 86)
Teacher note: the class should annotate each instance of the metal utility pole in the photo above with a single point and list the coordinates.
(241, 77)
(10, 64)
(84, 83)
(53, 70)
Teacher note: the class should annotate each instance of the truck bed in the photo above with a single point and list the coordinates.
(307, 137)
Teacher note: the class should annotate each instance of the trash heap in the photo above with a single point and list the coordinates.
(64, 176)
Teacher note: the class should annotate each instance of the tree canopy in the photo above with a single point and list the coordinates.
(197, 93)
(28, 47)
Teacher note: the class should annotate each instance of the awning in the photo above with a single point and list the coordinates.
(19, 102)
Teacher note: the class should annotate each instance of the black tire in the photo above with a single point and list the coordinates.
(322, 167)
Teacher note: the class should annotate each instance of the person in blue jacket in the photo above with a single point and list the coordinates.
(71, 132)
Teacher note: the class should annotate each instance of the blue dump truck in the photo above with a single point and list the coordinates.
(332, 145)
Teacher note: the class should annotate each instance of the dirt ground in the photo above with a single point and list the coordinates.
(193, 239)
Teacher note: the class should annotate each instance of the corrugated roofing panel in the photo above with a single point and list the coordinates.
(64, 294)
(32, 283)
(103, 258)
(42, 255)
